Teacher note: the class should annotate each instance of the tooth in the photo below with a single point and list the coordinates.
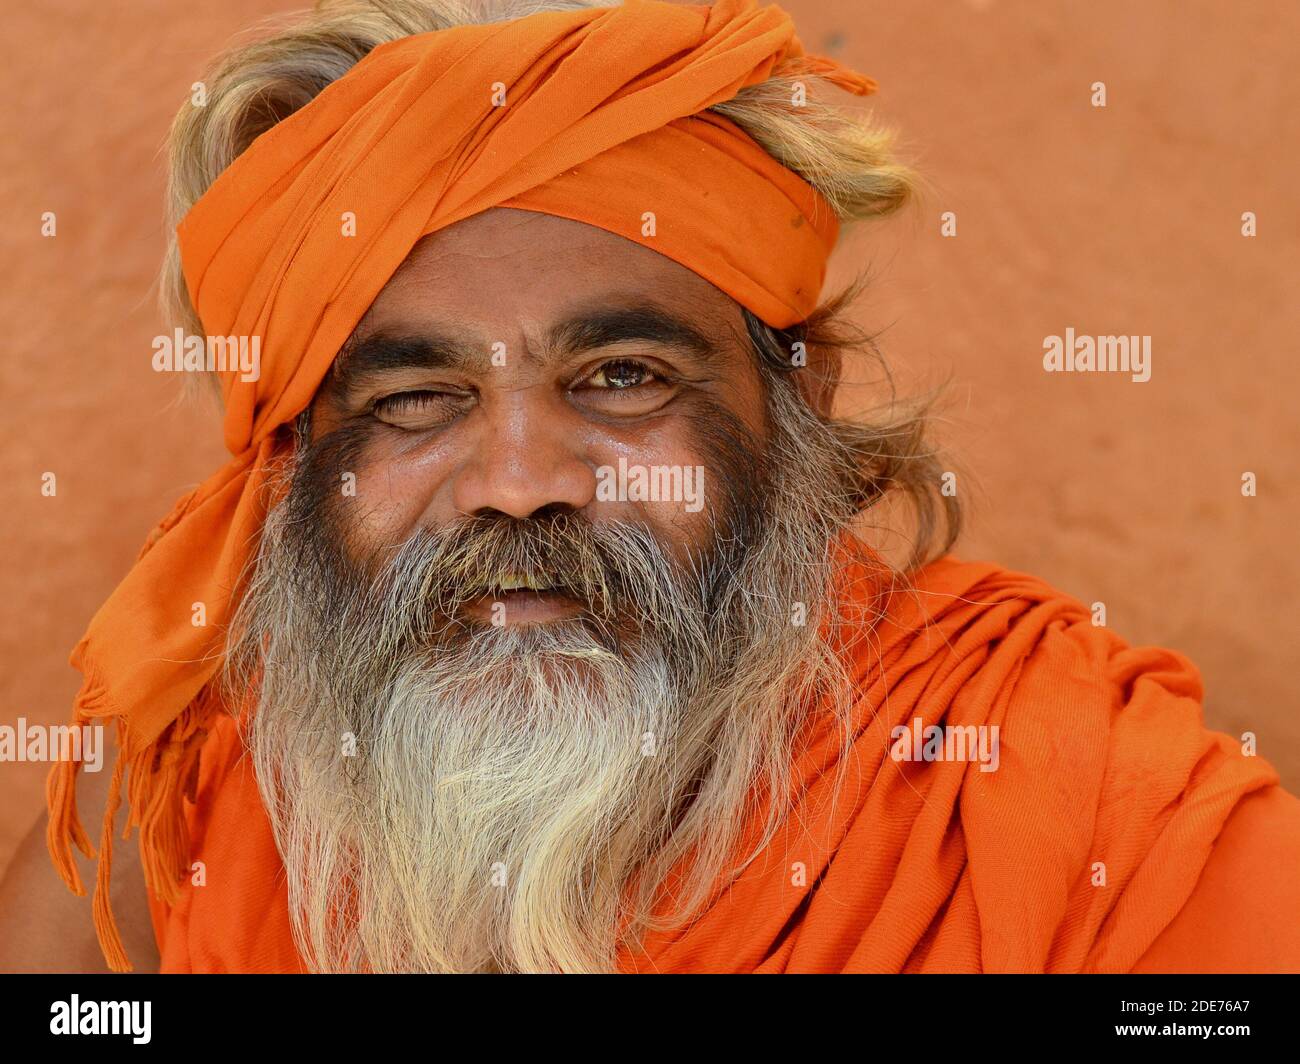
(523, 581)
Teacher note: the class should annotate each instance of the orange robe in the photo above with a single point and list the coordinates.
(926, 866)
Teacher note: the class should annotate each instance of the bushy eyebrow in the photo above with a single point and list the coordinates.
(604, 326)
(382, 352)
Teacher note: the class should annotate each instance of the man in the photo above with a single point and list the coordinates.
(530, 627)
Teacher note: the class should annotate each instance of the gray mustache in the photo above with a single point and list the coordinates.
(605, 568)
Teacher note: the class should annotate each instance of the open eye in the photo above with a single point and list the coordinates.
(624, 387)
(621, 374)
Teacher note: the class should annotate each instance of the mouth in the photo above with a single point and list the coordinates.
(523, 598)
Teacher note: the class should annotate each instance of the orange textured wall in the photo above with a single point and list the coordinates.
(1117, 220)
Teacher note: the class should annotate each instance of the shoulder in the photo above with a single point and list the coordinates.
(1043, 635)
(1241, 916)
(1110, 794)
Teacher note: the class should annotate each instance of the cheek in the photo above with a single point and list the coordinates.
(667, 477)
(397, 484)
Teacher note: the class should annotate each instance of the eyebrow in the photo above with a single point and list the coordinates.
(433, 348)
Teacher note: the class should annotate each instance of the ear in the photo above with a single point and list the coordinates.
(820, 377)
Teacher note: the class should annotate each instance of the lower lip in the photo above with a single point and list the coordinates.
(523, 607)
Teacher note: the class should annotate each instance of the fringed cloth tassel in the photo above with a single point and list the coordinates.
(163, 774)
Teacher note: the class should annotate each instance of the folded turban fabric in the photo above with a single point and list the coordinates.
(1076, 855)
(593, 115)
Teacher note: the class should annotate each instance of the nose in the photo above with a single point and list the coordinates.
(526, 457)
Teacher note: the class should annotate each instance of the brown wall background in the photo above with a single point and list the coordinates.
(1120, 220)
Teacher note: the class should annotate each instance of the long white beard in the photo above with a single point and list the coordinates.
(513, 801)
(498, 789)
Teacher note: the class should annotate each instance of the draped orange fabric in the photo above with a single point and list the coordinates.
(919, 866)
(594, 115)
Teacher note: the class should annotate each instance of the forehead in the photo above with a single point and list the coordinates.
(515, 271)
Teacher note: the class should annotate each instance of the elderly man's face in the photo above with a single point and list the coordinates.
(558, 734)
(513, 356)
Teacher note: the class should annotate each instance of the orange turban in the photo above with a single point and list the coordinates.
(593, 115)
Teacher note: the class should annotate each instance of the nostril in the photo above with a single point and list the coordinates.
(552, 510)
(549, 511)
